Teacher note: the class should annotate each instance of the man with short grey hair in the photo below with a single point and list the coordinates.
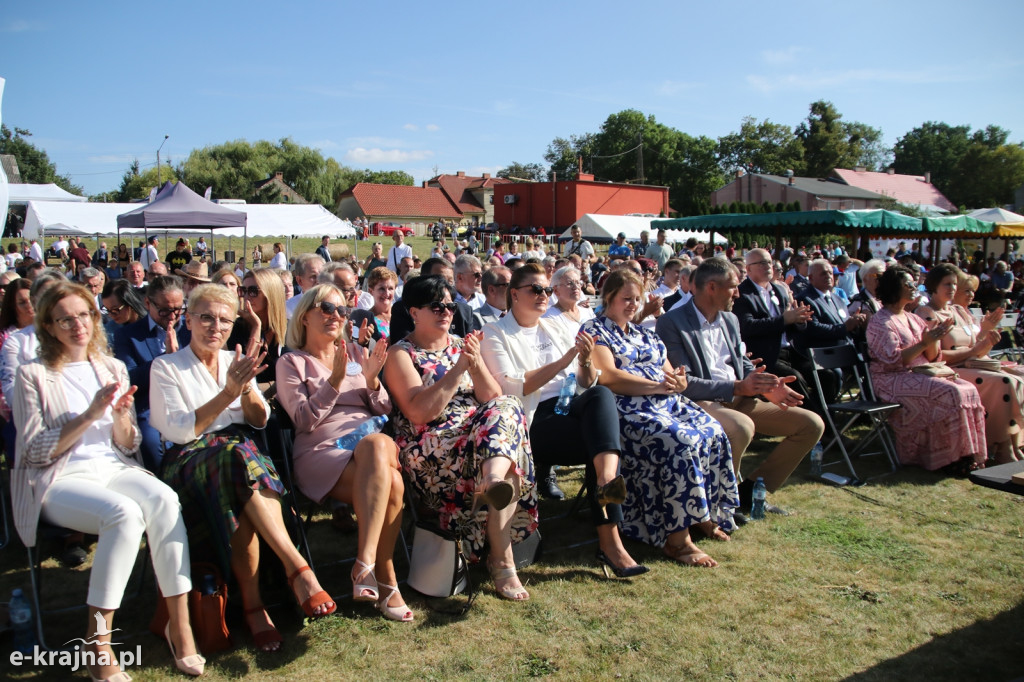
(495, 285)
(306, 270)
(468, 274)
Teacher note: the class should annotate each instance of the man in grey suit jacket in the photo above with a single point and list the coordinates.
(704, 337)
(494, 284)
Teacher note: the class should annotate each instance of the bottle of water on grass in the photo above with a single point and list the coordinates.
(817, 453)
(21, 622)
(759, 498)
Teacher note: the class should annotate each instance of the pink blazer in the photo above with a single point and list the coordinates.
(40, 411)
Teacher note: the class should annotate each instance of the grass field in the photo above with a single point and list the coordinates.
(914, 576)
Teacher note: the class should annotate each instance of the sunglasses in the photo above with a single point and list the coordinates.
(537, 289)
(117, 309)
(328, 308)
(169, 312)
(251, 291)
(438, 308)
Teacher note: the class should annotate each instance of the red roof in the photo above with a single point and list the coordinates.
(458, 187)
(911, 190)
(402, 200)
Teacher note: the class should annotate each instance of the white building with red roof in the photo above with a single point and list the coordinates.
(910, 190)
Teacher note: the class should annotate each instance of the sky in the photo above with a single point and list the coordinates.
(444, 87)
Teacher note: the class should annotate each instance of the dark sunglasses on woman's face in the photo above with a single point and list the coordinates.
(252, 291)
(438, 308)
(537, 289)
(328, 308)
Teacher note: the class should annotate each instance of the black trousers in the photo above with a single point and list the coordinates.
(590, 428)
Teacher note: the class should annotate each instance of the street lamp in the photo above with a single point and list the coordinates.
(158, 182)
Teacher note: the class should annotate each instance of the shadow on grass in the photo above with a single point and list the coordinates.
(987, 650)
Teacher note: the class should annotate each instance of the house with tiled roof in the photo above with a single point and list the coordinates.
(415, 207)
(814, 194)
(910, 190)
(472, 196)
(276, 183)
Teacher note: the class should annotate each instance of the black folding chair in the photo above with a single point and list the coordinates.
(281, 455)
(853, 409)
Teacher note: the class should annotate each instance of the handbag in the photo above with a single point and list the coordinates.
(207, 604)
(438, 567)
(990, 364)
(934, 369)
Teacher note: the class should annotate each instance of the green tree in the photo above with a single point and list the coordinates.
(761, 147)
(987, 176)
(932, 147)
(829, 142)
(33, 163)
(868, 146)
(137, 185)
(395, 177)
(562, 154)
(524, 171)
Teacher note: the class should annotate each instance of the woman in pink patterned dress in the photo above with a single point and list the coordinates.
(942, 421)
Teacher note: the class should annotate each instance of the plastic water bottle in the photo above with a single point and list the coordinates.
(21, 621)
(350, 440)
(816, 454)
(209, 584)
(566, 394)
(759, 497)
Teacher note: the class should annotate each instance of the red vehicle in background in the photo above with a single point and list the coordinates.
(388, 229)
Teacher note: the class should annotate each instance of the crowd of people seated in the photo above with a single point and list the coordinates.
(133, 395)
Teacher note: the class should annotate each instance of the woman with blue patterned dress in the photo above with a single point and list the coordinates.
(675, 457)
(463, 444)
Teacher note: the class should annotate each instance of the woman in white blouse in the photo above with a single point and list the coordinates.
(205, 400)
(76, 467)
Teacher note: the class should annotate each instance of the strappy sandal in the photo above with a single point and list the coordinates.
(365, 591)
(402, 613)
(496, 496)
(264, 638)
(314, 601)
(507, 592)
(689, 556)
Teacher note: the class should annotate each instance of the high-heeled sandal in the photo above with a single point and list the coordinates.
(190, 665)
(263, 638)
(402, 614)
(497, 495)
(313, 601)
(120, 676)
(507, 592)
(365, 591)
(620, 572)
(612, 492)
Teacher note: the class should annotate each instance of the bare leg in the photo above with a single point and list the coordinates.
(499, 525)
(101, 646)
(606, 464)
(245, 561)
(680, 547)
(180, 627)
(373, 484)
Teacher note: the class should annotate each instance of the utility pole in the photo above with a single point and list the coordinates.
(159, 183)
(640, 157)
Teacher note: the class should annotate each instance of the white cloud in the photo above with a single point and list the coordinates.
(786, 55)
(375, 141)
(376, 155)
(433, 127)
(325, 144)
(817, 80)
(411, 126)
(675, 87)
(112, 158)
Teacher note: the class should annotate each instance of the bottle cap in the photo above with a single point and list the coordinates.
(16, 592)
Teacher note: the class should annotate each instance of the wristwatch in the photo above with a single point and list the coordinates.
(586, 365)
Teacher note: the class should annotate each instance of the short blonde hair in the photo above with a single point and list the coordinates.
(213, 293)
(617, 281)
(296, 336)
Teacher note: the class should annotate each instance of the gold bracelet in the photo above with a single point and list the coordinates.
(248, 389)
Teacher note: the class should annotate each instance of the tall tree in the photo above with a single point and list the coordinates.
(761, 147)
(562, 154)
(868, 147)
(986, 176)
(392, 177)
(33, 163)
(935, 148)
(828, 142)
(524, 171)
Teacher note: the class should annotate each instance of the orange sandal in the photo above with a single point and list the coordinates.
(264, 638)
(312, 603)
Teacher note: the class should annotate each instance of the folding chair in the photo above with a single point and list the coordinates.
(282, 458)
(5, 487)
(852, 409)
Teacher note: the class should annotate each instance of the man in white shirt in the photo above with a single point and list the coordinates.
(468, 273)
(35, 252)
(495, 285)
(306, 271)
(579, 246)
(399, 251)
(149, 254)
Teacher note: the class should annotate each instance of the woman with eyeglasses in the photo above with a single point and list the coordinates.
(531, 356)
(329, 388)
(205, 400)
(676, 458)
(941, 420)
(567, 283)
(262, 317)
(76, 467)
(463, 444)
(375, 324)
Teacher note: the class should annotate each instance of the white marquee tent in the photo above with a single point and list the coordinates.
(265, 220)
(604, 228)
(22, 194)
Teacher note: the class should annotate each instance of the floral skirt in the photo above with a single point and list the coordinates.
(215, 476)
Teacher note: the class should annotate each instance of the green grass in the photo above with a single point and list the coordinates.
(914, 576)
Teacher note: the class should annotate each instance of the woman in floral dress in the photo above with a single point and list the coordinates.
(463, 443)
(675, 457)
(941, 421)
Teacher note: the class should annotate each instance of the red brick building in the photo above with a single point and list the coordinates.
(557, 206)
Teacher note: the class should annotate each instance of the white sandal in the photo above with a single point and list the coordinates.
(402, 613)
(507, 592)
(364, 591)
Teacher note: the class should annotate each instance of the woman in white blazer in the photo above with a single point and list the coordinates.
(76, 468)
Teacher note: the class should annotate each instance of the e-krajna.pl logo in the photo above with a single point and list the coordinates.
(80, 657)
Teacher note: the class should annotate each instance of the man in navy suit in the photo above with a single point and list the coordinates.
(830, 324)
(800, 281)
(704, 337)
(162, 331)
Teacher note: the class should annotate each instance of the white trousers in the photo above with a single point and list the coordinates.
(105, 497)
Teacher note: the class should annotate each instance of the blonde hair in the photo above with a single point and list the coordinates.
(296, 337)
(221, 275)
(272, 286)
(51, 349)
(617, 281)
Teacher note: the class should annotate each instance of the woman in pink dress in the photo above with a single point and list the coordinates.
(941, 421)
(329, 388)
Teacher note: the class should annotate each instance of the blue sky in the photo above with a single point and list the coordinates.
(475, 86)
